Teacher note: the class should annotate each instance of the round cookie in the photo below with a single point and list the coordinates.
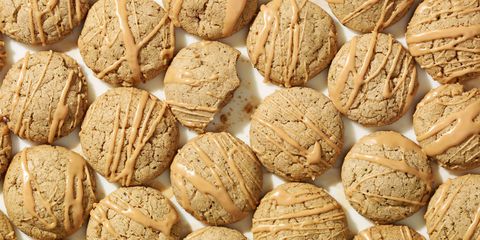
(216, 178)
(386, 177)
(215, 233)
(41, 21)
(447, 126)
(3, 54)
(5, 147)
(362, 16)
(6, 230)
(48, 191)
(129, 136)
(200, 81)
(44, 96)
(299, 210)
(455, 209)
(126, 42)
(388, 232)
(134, 213)
(211, 19)
(297, 133)
(443, 38)
(290, 42)
(372, 79)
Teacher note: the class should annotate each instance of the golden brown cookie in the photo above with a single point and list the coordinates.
(388, 232)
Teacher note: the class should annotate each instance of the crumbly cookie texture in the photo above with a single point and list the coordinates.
(291, 208)
(216, 178)
(388, 232)
(129, 136)
(48, 191)
(297, 133)
(373, 80)
(215, 233)
(5, 147)
(3, 54)
(134, 213)
(44, 96)
(6, 229)
(363, 16)
(290, 42)
(200, 81)
(447, 126)
(211, 19)
(387, 177)
(443, 38)
(454, 209)
(41, 21)
(126, 42)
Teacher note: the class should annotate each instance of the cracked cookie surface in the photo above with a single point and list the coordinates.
(388, 232)
(215, 233)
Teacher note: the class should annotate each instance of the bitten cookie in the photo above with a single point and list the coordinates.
(134, 213)
(129, 136)
(297, 133)
(299, 211)
(216, 178)
(5, 147)
(386, 177)
(215, 233)
(211, 19)
(443, 38)
(41, 21)
(362, 16)
(290, 42)
(48, 191)
(6, 230)
(455, 208)
(372, 79)
(200, 81)
(126, 42)
(44, 96)
(447, 126)
(388, 232)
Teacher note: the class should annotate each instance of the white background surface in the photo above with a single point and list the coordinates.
(252, 90)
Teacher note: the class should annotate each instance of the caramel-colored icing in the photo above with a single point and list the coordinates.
(61, 111)
(173, 10)
(234, 10)
(473, 227)
(404, 232)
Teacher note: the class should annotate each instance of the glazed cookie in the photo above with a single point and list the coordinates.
(454, 210)
(44, 96)
(200, 81)
(5, 147)
(362, 16)
(215, 233)
(443, 38)
(297, 133)
(373, 80)
(447, 126)
(299, 210)
(48, 191)
(129, 136)
(126, 42)
(211, 19)
(216, 178)
(388, 232)
(291, 41)
(41, 21)
(3, 54)
(6, 230)
(134, 213)
(386, 177)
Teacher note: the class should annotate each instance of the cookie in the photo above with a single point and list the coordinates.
(41, 21)
(126, 42)
(373, 80)
(5, 147)
(447, 126)
(297, 133)
(44, 96)
(443, 38)
(3, 54)
(48, 191)
(386, 177)
(290, 42)
(215, 233)
(301, 211)
(216, 178)
(454, 210)
(6, 230)
(211, 19)
(362, 16)
(134, 213)
(388, 232)
(129, 136)
(200, 81)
